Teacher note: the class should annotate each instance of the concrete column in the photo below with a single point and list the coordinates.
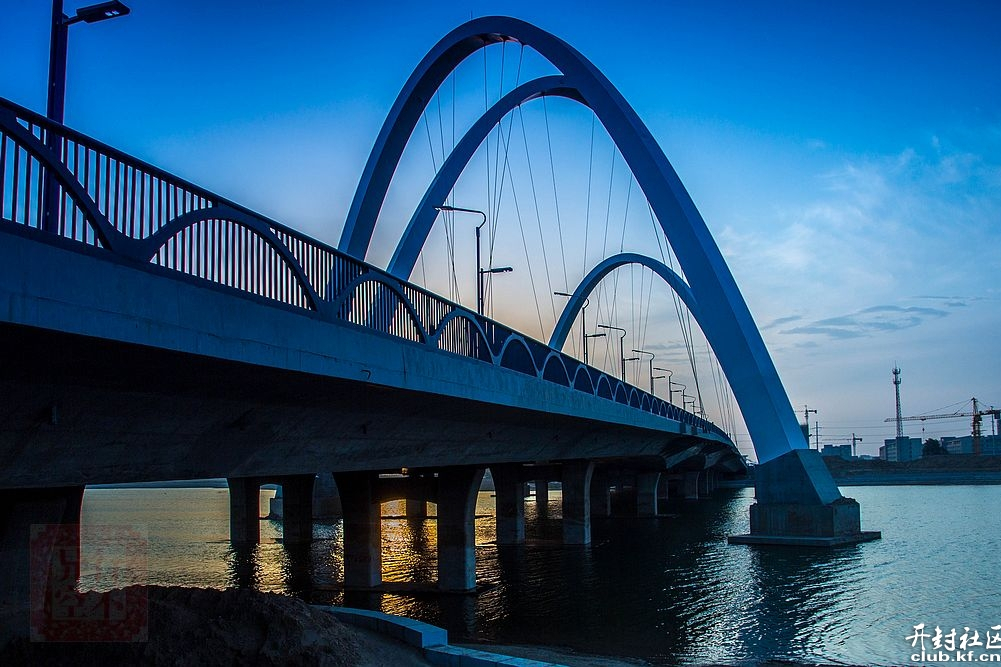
(712, 480)
(542, 497)
(510, 491)
(601, 497)
(457, 489)
(646, 493)
(663, 489)
(297, 510)
(40, 526)
(244, 510)
(690, 485)
(326, 500)
(705, 484)
(362, 529)
(416, 508)
(577, 502)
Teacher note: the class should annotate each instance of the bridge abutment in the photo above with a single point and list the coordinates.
(577, 502)
(39, 528)
(799, 504)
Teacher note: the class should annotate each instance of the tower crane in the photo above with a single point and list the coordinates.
(977, 414)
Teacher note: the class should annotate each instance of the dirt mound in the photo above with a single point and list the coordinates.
(209, 627)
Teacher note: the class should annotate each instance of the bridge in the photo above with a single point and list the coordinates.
(153, 330)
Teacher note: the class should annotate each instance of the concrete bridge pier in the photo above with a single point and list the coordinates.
(415, 508)
(577, 502)
(362, 529)
(244, 510)
(663, 489)
(457, 490)
(690, 487)
(798, 503)
(601, 495)
(705, 484)
(510, 491)
(542, 497)
(646, 493)
(297, 514)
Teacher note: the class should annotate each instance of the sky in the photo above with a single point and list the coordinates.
(846, 158)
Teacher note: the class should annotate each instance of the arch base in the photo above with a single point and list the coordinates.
(798, 504)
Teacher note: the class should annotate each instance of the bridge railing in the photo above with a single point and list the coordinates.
(60, 181)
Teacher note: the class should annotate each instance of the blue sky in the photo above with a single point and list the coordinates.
(847, 159)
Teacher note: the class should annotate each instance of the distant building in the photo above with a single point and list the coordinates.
(901, 449)
(990, 445)
(838, 452)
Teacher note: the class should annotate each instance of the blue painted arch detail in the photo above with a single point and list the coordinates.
(562, 329)
(726, 320)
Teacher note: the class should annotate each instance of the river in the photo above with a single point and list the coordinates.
(668, 590)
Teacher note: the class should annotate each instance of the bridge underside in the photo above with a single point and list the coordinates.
(81, 410)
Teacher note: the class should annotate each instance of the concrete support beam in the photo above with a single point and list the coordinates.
(646, 493)
(457, 489)
(58, 550)
(362, 529)
(542, 497)
(690, 484)
(244, 510)
(510, 492)
(577, 502)
(297, 508)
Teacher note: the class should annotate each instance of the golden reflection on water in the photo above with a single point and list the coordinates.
(185, 533)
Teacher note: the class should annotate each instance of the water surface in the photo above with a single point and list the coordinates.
(669, 590)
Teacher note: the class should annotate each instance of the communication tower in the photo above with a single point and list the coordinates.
(896, 387)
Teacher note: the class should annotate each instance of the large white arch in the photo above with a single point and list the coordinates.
(726, 320)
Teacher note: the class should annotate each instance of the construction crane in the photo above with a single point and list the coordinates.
(977, 414)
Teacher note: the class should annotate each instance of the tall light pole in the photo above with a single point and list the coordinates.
(479, 264)
(586, 336)
(652, 357)
(671, 398)
(55, 104)
(622, 351)
(669, 376)
(583, 322)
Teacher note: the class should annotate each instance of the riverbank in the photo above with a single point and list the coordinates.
(952, 469)
(203, 626)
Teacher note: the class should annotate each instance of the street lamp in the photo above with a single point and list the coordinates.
(584, 323)
(55, 103)
(479, 270)
(669, 376)
(622, 353)
(652, 357)
(683, 389)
